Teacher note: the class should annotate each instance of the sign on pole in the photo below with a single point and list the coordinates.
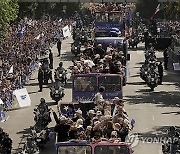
(22, 97)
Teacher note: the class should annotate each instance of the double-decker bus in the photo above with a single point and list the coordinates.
(110, 28)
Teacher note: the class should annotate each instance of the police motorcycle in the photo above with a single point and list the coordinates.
(42, 114)
(30, 146)
(152, 80)
(172, 145)
(5, 143)
(41, 136)
(57, 92)
(76, 48)
(133, 42)
(144, 71)
(150, 55)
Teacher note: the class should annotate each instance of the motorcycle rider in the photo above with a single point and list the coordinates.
(61, 70)
(173, 138)
(42, 110)
(43, 105)
(6, 144)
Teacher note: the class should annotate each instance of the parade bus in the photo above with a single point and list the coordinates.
(84, 147)
(110, 28)
(85, 86)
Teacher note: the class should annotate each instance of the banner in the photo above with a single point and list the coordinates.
(11, 70)
(176, 66)
(66, 31)
(1, 102)
(108, 27)
(23, 97)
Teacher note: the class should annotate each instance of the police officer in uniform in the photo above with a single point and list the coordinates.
(166, 57)
(160, 71)
(50, 59)
(59, 47)
(40, 79)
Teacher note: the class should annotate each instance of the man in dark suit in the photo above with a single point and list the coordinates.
(59, 47)
(40, 79)
(50, 59)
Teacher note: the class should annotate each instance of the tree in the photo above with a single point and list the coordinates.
(146, 8)
(8, 12)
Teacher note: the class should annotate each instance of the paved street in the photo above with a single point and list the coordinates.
(153, 111)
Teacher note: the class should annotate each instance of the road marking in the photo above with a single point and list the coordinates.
(153, 118)
(160, 151)
(7, 118)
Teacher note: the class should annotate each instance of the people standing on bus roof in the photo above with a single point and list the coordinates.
(99, 100)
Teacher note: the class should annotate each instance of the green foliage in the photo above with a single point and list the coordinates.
(8, 12)
(39, 9)
(146, 8)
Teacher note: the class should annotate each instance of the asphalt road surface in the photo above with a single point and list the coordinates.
(152, 111)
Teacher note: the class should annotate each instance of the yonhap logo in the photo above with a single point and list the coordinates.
(23, 97)
(133, 139)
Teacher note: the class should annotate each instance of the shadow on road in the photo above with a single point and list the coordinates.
(166, 97)
(161, 98)
(135, 83)
(32, 84)
(176, 113)
(67, 56)
(51, 103)
(156, 133)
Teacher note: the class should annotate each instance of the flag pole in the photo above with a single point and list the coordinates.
(164, 12)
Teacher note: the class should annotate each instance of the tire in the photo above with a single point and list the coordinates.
(152, 88)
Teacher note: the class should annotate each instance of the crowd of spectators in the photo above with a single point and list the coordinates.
(122, 7)
(23, 44)
(169, 27)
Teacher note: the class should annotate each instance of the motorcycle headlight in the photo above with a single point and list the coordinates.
(75, 48)
(57, 91)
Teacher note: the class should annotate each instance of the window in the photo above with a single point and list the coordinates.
(85, 83)
(113, 149)
(111, 83)
(74, 150)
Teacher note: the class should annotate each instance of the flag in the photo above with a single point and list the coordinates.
(7, 103)
(22, 97)
(2, 114)
(66, 31)
(11, 70)
(133, 122)
(158, 8)
(20, 32)
(1, 102)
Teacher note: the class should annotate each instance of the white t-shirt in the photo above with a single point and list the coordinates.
(99, 100)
